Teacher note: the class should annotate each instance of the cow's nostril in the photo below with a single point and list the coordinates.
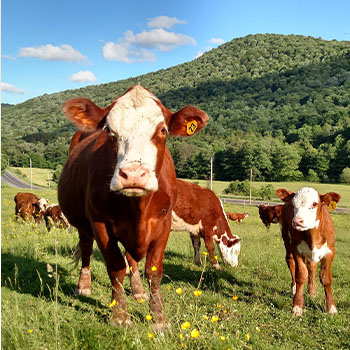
(122, 174)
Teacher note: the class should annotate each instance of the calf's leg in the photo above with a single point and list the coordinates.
(311, 287)
(196, 243)
(301, 277)
(326, 280)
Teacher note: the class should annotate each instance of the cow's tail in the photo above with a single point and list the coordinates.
(76, 257)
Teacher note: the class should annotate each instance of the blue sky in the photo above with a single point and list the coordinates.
(50, 46)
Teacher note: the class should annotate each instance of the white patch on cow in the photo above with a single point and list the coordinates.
(333, 310)
(303, 208)
(215, 228)
(297, 311)
(294, 289)
(228, 254)
(179, 224)
(314, 255)
(42, 204)
(133, 120)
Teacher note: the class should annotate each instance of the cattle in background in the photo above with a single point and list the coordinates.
(29, 206)
(55, 218)
(236, 216)
(119, 185)
(270, 214)
(199, 211)
(308, 235)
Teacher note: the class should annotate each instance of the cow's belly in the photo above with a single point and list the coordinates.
(179, 224)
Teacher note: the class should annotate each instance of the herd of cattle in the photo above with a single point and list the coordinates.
(122, 178)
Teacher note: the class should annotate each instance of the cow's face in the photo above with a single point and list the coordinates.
(43, 202)
(307, 203)
(138, 123)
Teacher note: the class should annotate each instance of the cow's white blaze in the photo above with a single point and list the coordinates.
(133, 120)
(304, 209)
(228, 254)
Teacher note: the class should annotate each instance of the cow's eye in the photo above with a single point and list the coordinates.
(314, 205)
(164, 130)
(106, 127)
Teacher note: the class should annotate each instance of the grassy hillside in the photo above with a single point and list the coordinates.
(280, 94)
(39, 309)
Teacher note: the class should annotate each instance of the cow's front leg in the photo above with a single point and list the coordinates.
(301, 277)
(154, 272)
(326, 280)
(311, 285)
(137, 289)
(291, 265)
(209, 244)
(116, 268)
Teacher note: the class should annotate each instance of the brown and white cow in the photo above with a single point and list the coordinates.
(199, 211)
(55, 218)
(119, 185)
(270, 214)
(308, 235)
(29, 206)
(236, 216)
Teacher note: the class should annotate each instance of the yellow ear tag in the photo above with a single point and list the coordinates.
(332, 205)
(191, 127)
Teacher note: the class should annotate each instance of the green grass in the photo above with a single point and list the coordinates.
(40, 310)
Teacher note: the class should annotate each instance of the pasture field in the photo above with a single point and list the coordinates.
(247, 307)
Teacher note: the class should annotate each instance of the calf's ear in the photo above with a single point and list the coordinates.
(187, 121)
(84, 113)
(330, 197)
(285, 195)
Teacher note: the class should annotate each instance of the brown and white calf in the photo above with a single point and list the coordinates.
(55, 218)
(308, 235)
(270, 214)
(29, 206)
(119, 185)
(236, 216)
(199, 211)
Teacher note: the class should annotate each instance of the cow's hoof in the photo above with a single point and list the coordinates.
(333, 310)
(217, 266)
(297, 311)
(141, 296)
(83, 291)
(120, 322)
(161, 327)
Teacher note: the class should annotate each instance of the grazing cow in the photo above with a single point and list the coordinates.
(119, 185)
(29, 205)
(54, 217)
(308, 235)
(199, 211)
(270, 214)
(236, 216)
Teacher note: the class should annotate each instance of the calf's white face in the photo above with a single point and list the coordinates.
(134, 120)
(305, 203)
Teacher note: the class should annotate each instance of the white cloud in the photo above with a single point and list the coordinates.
(137, 47)
(9, 57)
(217, 41)
(11, 88)
(199, 54)
(53, 53)
(83, 76)
(164, 22)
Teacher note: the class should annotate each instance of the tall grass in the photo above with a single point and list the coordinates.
(247, 307)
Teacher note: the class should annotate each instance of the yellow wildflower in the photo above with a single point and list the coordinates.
(214, 319)
(197, 293)
(257, 329)
(195, 333)
(112, 303)
(186, 325)
(235, 297)
(181, 336)
(205, 253)
(141, 300)
(205, 317)
(216, 257)
(219, 306)
(150, 335)
(178, 290)
(247, 336)
(30, 331)
(223, 338)
(148, 317)
(154, 268)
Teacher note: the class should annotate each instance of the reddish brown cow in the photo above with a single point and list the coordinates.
(270, 214)
(308, 235)
(236, 216)
(119, 185)
(29, 206)
(199, 211)
(54, 217)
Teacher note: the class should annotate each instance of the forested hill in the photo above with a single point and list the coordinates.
(277, 104)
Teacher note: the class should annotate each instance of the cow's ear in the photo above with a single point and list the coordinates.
(330, 197)
(285, 195)
(187, 121)
(84, 113)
